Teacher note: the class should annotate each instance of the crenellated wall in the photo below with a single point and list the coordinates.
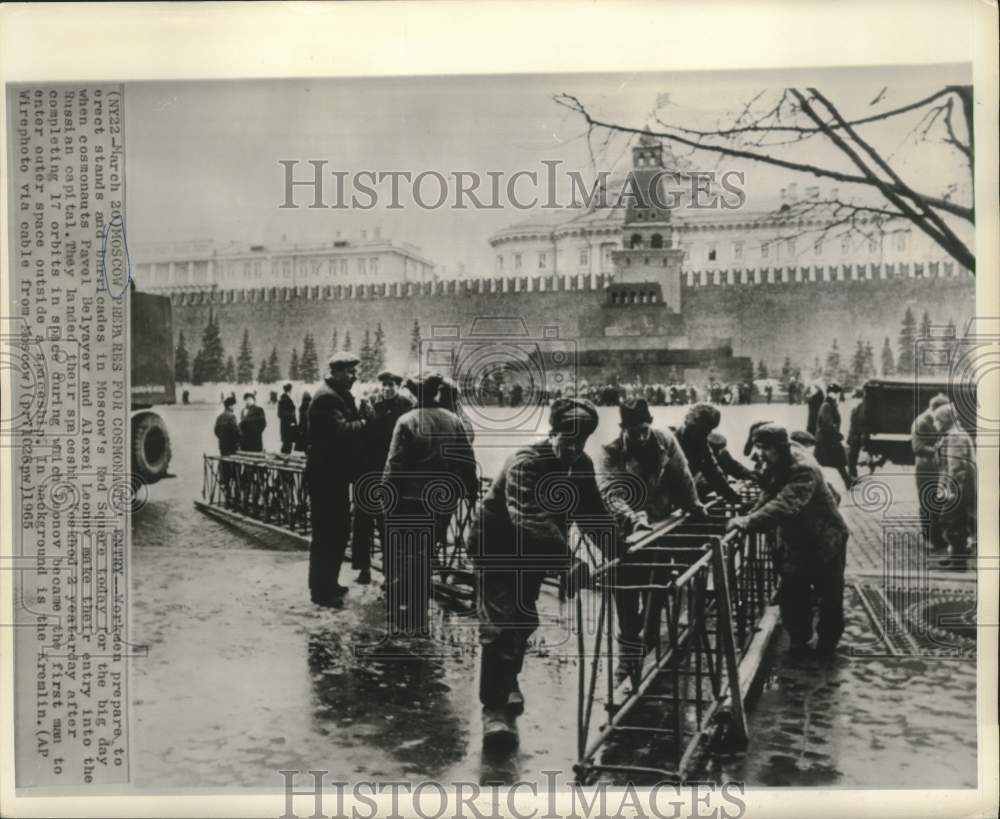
(765, 313)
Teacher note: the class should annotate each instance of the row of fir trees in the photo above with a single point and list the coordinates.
(211, 364)
(861, 366)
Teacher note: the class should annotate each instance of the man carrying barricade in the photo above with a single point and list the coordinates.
(798, 501)
(924, 437)
(643, 477)
(956, 487)
(521, 534)
(693, 434)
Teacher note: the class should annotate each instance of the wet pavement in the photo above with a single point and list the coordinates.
(244, 677)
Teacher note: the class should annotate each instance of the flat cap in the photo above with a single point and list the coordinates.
(389, 375)
(800, 436)
(717, 439)
(230, 401)
(249, 395)
(704, 414)
(634, 411)
(938, 400)
(343, 359)
(771, 435)
(833, 386)
(573, 415)
(424, 387)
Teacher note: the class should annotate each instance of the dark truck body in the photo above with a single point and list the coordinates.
(152, 376)
(892, 405)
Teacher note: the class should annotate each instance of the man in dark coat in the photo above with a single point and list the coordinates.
(521, 534)
(829, 439)
(698, 424)
(643, 478)
(387, 409)
(799, 502)
(302, 438)
(429, 468)
(286, 419)
(957, 489)
(336, 436)
(252, 425)
(227, 431)
(814, 400)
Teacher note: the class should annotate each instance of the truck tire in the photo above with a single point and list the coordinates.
(150, 447)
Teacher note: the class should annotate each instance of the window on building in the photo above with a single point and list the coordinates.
(656, 240)
(712, 253)
(361, 267)
(517, 261)
(845, 245)
(584, 257)
(286, 268)
(543, 260)
(737, 250)
(635, 241)
(343, 267)
(901, 240)
(639, 215)
(790, 245)
(499, 261)
(818, 247)
(765, 250)
(373, 268)
(872, 246)
(246, 270)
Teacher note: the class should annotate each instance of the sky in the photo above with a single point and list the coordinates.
(203, 157)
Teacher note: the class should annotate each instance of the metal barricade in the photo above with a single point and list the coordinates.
(705, 593)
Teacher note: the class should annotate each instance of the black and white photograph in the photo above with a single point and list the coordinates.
(622, 441)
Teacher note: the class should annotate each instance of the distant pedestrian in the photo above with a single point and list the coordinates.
(957, 487)
(829, 439)
(925, 438)
(227, 431)
(799, 502)
(286, 420)
(814, 400)
(302, 439)
(252, 424)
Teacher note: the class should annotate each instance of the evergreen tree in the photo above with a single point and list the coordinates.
(262, 372)
(415, 340)
(244, 361)
(907, 339)
(273, 368)
(888, 366)
(347, 341)
(925, 325)
(761, 369)
(182, 367)
(858, 364)
(213, 359)
(308, 362)
(832, 370)
(786, 371)
(817, 370)
(378, 350)
(293, 366)
(333, 342)
(198, 369)
(365, 354)
(229, 374)
(869, 366)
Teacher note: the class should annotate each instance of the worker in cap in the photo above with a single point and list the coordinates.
(798, 502)
(253, 422)
(693, 434)
(924, 439)
(643, 477)
(519, 536)
(336, 437)
(388, 407)
(727, 463)
(287, 421)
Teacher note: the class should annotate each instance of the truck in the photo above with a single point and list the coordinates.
(152, 383)
(892, 404)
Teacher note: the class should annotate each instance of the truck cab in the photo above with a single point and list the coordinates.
(152, 383)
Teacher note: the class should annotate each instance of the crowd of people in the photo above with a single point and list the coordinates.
(408, 462)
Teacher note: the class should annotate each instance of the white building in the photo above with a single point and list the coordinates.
(369, 259)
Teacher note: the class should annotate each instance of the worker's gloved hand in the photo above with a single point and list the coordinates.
(365, 410)
(697, 513)
(640, 520)
(577, 577)
(741, 523)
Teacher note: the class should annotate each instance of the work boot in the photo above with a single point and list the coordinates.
(628, 669)
(498, 729)
(515, 700)
(364, 577)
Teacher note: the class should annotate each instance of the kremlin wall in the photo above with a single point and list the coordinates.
(623, 331)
